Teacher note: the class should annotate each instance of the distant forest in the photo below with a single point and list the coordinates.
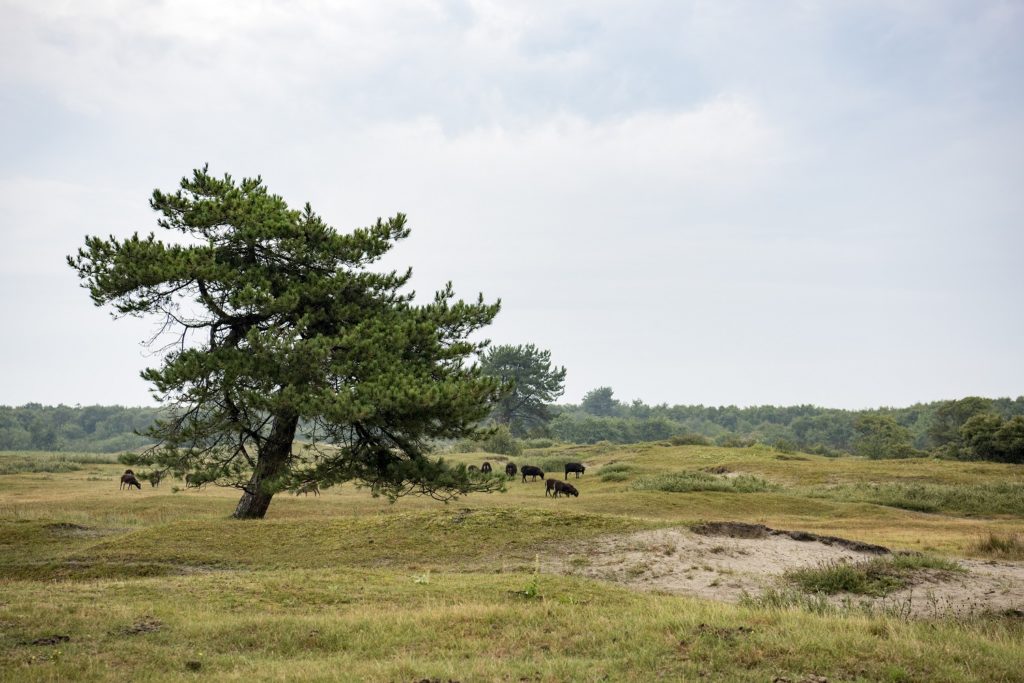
(972, 427)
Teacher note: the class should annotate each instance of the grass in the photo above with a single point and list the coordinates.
(990, 498)
(878, 577)
(155, 585)
(1000, 546)
(619, 471)
(683, 482)
(18, 462)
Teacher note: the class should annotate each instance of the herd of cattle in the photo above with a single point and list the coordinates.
(552, 487)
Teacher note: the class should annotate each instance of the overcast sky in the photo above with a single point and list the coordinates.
(691, 202)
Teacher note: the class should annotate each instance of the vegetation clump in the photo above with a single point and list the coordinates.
(618, 471)
(877, 577)
(683, 482)
(989, 498)
(1002, 546)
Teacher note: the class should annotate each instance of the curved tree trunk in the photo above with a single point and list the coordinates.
(271, 462)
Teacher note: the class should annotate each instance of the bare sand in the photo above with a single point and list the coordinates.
(726, 567)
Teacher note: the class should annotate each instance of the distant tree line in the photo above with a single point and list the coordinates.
(971, 428)
(95, 429)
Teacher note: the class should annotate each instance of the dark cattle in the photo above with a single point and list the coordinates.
(128, 479)
(532, 472)
(576, 467)
(192, 481)
(486, 468)
(510, 469)
(155, 477)
(560, 487)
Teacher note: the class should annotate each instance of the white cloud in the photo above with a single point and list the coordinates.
(706, 201)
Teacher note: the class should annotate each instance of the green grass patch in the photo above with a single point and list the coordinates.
(683, 482)
(990, 498)
(20, 462)
(877, 577)
(618, 471)
(1003, 546)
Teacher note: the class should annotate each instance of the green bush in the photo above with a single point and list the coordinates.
(466, 446)
(501, 441)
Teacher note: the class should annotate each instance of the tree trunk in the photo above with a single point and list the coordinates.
(271, 462)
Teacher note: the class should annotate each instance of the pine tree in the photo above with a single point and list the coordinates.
(275, 321)
(531, 384)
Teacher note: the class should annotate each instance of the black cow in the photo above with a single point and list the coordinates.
(532, 472)
(510, 470)
(486, 468)
(554, 487)
(128, 479)
(576, 467)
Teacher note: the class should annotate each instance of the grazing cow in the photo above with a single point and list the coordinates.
(308, 487)
(576, 467)
(192, 481)
(155, 477)
(128, 479)
(510, 470)
(486, 468)
(532, 472)
(555, 488)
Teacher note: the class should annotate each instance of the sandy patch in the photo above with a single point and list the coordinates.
(724, 568)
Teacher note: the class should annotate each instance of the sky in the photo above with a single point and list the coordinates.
(693, 202)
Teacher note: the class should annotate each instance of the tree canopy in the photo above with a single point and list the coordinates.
(532, 384)
(600, 402)
(271, 318)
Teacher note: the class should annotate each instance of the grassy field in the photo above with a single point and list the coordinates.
(101, 584)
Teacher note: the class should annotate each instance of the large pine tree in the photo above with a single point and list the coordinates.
(272, 320)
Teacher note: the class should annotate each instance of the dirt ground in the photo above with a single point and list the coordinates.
(722, 564)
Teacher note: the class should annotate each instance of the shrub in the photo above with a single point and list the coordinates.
(689, 439)
(465, 446)
(501, 441)
(785, 446)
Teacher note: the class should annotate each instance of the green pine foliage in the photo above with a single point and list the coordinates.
(275, 319)
(531, 385)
